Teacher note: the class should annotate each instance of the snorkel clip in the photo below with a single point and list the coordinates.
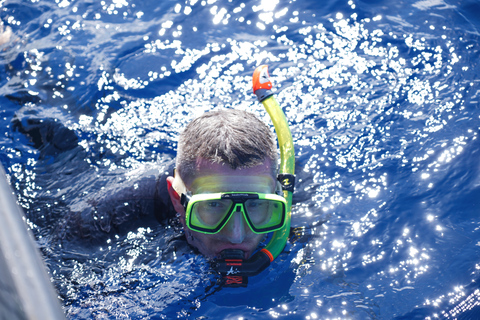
(287, 181)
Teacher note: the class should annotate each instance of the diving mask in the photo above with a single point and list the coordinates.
(210, 212)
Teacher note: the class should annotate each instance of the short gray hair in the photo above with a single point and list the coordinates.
(232, 137)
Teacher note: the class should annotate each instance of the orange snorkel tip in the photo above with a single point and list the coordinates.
(261, 83)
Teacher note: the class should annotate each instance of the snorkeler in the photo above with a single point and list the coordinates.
(226, 190)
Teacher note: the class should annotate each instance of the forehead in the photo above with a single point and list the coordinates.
(214, 177)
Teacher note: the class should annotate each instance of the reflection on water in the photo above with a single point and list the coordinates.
(382, 103)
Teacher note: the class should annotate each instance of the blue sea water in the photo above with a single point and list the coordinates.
(383, 102)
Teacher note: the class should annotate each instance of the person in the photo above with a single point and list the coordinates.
(219, 152)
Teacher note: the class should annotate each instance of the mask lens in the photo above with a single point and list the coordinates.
(210, 213)
(265, 214)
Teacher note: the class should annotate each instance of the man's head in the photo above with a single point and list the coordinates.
(224, 151)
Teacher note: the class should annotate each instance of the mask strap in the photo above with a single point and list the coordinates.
(184, 199)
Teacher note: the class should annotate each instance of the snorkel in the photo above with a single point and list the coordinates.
(232, 266)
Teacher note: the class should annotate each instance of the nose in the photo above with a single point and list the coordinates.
(235, 228)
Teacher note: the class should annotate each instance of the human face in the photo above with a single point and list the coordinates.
(213, 178)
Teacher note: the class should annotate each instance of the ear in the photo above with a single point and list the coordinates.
(174, 196)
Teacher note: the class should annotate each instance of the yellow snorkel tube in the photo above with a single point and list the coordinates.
(262, 88)
(234, 269)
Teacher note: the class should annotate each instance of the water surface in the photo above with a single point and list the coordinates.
(383, 103)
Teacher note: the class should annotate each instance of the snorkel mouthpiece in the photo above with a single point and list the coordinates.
(234, 269)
